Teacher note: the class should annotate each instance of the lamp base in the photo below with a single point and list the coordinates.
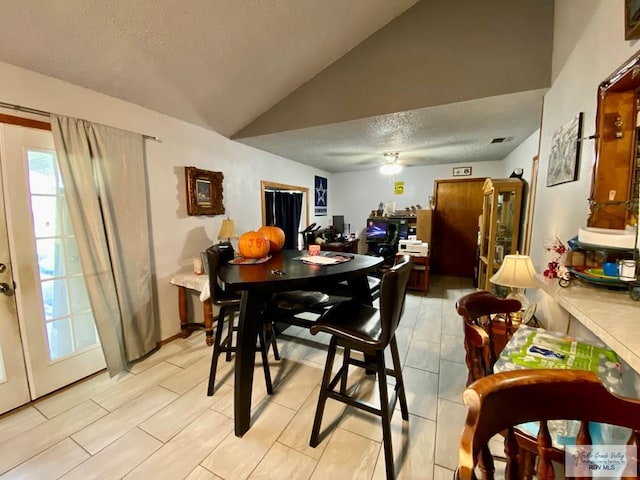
(527, 308)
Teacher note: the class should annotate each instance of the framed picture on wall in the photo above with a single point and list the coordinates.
(461, 171)
(204, 192)
(565, 153)
(631, 19)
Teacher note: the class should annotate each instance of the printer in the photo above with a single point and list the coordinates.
(413, 247)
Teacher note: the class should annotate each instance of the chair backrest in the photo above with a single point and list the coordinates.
(501, 401)
(393, 291)
(217, 255)
(480, 342)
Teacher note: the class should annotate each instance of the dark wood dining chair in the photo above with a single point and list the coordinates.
(357, 327)
(487, 326)
(485, 335)
(501, 401)
(228, 305)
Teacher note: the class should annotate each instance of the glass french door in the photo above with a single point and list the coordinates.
(14, 388)
(58, 334)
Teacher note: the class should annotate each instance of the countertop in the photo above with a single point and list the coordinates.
(611, 315)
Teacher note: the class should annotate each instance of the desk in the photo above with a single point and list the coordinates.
(257, 283)
(187, 280)
(350, 246)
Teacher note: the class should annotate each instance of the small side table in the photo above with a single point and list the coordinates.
(419, 278)
(187, 280)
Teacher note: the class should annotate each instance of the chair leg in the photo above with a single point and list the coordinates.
(265, 362)
(345, 373)
(385, 414)
(272, 339)
(322, 398)
(397, 368)
(216, 351)
(229, 340)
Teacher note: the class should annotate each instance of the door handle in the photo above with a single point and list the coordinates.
(3, 267)
(6, 289)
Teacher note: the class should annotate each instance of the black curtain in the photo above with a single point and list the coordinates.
(268, 200)
(287, 211)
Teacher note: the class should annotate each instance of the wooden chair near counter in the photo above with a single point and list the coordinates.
(484, 339)
(228, 305)
(499, 402)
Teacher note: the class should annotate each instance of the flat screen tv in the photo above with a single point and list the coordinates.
(376, 230)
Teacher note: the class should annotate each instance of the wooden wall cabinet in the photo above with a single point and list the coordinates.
(499, 227)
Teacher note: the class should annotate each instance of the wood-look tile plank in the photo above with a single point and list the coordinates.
(347, 456)
(117, 459)
(184, 380)
(422, 392)
(109, 428)
(20, 421)
(283, 462)
(200, 473)
(413, 445)
(167, 351)
(75, 394)
(298, 431)
(37, 439)
(235, 458)
(135, 385)
(178, 414)
(451, 417)
(452, 380)
(52, 463)
(180, 456)
(297, 387)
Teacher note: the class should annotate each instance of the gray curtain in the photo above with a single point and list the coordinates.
(103, 171)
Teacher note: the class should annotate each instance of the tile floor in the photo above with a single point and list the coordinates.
(157, 422)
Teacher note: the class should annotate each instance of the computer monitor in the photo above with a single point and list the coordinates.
(338, 224)
(376, 230)
(403, 231)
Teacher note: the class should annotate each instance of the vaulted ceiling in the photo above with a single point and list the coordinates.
(331, 83)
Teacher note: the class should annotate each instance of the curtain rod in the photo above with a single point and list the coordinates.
(35, 111)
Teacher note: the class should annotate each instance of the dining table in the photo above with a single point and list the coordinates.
(283, 271)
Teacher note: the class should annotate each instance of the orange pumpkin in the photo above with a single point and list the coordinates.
(275, 236)
(253, 245)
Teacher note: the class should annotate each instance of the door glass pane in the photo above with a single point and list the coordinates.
(54, 297)
(44, 215)
(60, 339)
(50, 254)
(72, 258)
(67, 311)
(84, 330)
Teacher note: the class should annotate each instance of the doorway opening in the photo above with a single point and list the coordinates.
(290, 214)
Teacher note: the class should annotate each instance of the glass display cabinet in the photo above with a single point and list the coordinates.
(499, 226)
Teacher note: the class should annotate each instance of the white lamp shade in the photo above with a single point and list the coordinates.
(227, 230)
(516, 271)
(391, 168)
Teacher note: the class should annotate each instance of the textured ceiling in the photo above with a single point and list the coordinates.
(221, 64)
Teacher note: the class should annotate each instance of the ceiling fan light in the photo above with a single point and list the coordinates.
(391, 156)
(391, 168)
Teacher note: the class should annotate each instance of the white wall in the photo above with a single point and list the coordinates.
(587, 49)
(355, 194)
(598, 49)
(176, 237)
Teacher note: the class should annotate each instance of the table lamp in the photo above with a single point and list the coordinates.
(227, 231)
(516, 272)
